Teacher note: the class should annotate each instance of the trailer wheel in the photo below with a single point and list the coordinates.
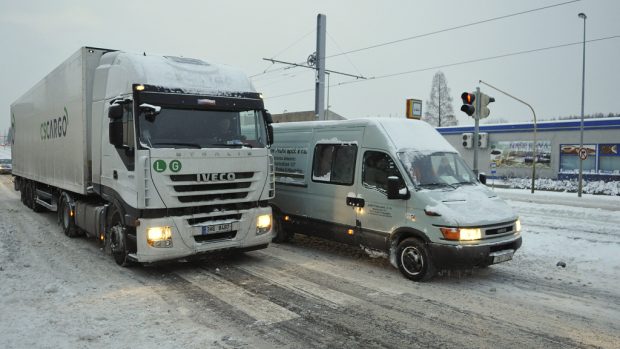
(281, 234)
(118, 239)
(414, 260)
(67, 219)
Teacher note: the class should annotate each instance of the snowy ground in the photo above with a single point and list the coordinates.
(57, 292)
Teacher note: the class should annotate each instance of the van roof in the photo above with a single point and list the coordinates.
(400, 133)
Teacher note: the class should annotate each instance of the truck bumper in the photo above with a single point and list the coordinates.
(469, 256)
(188, 240)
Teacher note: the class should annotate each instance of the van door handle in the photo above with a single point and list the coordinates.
(355, 202)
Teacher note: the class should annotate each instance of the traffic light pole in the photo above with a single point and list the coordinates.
(476, 130)
(534, 150)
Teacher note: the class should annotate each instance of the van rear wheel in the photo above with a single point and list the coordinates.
(414, 260)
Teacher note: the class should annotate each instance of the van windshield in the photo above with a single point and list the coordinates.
(187, 128)
(439, 169)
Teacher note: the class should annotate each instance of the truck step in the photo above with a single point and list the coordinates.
(52, 207)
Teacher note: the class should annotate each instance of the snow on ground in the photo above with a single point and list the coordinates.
(57, 292)
(561, 227)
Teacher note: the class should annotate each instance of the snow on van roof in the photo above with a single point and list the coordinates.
(187, 74)
(403, 133)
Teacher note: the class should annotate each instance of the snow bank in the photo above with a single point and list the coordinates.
(592, 187)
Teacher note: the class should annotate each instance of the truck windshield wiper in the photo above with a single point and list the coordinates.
(240, 145)
(183, 144)
(437, 185)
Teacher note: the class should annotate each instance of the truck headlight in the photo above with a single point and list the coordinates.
(263, 224)
(159, 236)
(461, 233)
(518, 226)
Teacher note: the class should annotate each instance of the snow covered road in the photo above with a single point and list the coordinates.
(57, 292)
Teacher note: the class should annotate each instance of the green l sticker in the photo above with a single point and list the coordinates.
(159, 166)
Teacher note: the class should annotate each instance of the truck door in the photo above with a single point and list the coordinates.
(379, 215)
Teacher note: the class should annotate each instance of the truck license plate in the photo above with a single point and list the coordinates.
(503, 256)
(216, 228)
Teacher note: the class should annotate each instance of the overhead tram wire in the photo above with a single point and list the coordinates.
(452, 28)
(422, 35)
(453, 64)
(281, 52)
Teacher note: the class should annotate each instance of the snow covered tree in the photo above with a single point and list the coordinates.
(439, 110)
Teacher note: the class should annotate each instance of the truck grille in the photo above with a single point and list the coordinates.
(192, 188)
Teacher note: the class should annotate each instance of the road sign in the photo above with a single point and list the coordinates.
(493, 168)
(583, 153)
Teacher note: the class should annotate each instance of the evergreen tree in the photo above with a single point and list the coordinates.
(439, 110)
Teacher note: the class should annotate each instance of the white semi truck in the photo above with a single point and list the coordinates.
(159, 157)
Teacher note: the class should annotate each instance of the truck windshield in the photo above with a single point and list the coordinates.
(187, 128)
(436, 170)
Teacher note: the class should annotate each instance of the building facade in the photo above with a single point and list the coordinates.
(507, 150)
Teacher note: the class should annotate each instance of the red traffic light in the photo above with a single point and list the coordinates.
(468, 103)
(468, 98)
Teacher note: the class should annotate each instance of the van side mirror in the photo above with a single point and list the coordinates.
(394, 190)
(115, 112)
(482, 178)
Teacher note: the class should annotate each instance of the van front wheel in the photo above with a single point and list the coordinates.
(414, 260)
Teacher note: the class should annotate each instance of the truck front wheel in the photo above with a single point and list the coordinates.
(117, 236)
(414, 260)
(67, 219)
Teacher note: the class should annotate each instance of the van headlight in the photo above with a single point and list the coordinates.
(518, 226)
(461, 233)
(263, 224)
(159, 236)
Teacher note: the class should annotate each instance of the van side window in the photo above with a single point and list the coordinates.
(376, 169)
(334, 163)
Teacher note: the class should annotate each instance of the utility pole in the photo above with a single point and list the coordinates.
(316, 61)
(583, 88)
(476, 130)
(319, 90)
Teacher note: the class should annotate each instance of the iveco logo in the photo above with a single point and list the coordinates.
(215, 177)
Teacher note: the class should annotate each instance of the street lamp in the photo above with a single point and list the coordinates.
(583, 84)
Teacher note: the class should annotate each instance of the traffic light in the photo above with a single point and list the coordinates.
(468, 139)
(484, 101)
(468, 106)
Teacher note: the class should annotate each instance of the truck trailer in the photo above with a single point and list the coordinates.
(158, 157)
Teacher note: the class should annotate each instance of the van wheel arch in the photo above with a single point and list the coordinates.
(281, 235)
(401, 234)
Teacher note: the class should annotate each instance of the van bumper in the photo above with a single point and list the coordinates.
(469, 256)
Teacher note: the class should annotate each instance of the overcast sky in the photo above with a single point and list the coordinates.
(38, 35)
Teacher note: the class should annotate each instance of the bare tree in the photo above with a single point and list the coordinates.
(439, 110)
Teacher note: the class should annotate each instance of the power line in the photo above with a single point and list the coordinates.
(452, 28)
(454, 64)
(281, 52)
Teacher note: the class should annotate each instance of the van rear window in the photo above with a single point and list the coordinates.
(334, 163)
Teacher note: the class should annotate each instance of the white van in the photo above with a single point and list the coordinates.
(393, 187)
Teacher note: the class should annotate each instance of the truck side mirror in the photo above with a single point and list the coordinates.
(268, 118)
(115, 112)
(270, 133)
(394, 192)
(116, 133)
(482, 178)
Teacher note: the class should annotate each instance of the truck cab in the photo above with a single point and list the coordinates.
(394, 188)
